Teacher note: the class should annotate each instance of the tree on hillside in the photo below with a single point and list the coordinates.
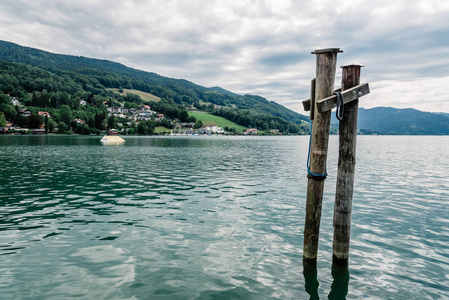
(183, 116)
(10, 113)
(62, 127)
(142, 127)
(46, 124)
(2, 120)
(198, 124)
(111, 122)
(21, 121)
(133, 98)
(82, 129)
(99, 118)
(51, 125)
(264, 127)
(34, 121)
(44, 99)
(4, 98)
(65, 114)
(191, 119)
(151, 126)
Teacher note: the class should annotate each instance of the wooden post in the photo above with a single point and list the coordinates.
(346, 166)
(326, 60)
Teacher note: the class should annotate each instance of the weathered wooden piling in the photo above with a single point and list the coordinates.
(346, 166)
(326, 60)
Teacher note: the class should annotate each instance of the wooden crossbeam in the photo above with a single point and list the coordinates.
(307, 103)
(349, 95)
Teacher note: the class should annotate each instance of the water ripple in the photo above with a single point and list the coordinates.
(215, 218)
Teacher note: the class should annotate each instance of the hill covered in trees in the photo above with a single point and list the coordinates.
(41, 79)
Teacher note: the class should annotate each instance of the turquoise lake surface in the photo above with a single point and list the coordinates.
(217, 218)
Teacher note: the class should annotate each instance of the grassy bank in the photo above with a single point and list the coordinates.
(145, 96)
(209, 119)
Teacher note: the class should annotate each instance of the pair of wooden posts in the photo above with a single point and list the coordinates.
(320, 104)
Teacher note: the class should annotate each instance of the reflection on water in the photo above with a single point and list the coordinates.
(310, 278)
(340, 275)
(216, 218)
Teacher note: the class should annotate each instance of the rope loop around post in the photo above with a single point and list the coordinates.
(311, 174)
(340, 106)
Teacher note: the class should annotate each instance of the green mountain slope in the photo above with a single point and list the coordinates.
(109, 74)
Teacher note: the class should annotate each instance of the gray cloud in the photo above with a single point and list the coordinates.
(257, 47)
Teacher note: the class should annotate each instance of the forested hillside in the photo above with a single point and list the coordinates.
(28, 74)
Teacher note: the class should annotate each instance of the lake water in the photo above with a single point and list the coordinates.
(217, 218)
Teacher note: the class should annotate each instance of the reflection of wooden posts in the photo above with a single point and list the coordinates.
(346, 166)
(339, 287)
(326, 60)
(310, 273)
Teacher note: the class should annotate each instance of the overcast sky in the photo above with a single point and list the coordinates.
(253, 47)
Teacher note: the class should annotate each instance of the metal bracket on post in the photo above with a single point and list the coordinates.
(348, 95)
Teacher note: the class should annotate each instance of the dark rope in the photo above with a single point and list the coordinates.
(340, 106)
(311, 174)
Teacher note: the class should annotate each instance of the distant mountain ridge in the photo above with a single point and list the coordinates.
(443, 114)
(408, 121)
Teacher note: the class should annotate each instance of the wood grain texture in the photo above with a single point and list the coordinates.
(346, 168)
(324, 86)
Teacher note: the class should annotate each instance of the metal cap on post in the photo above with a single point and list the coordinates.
(327, 50)
(326, 60)
(352, 63)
